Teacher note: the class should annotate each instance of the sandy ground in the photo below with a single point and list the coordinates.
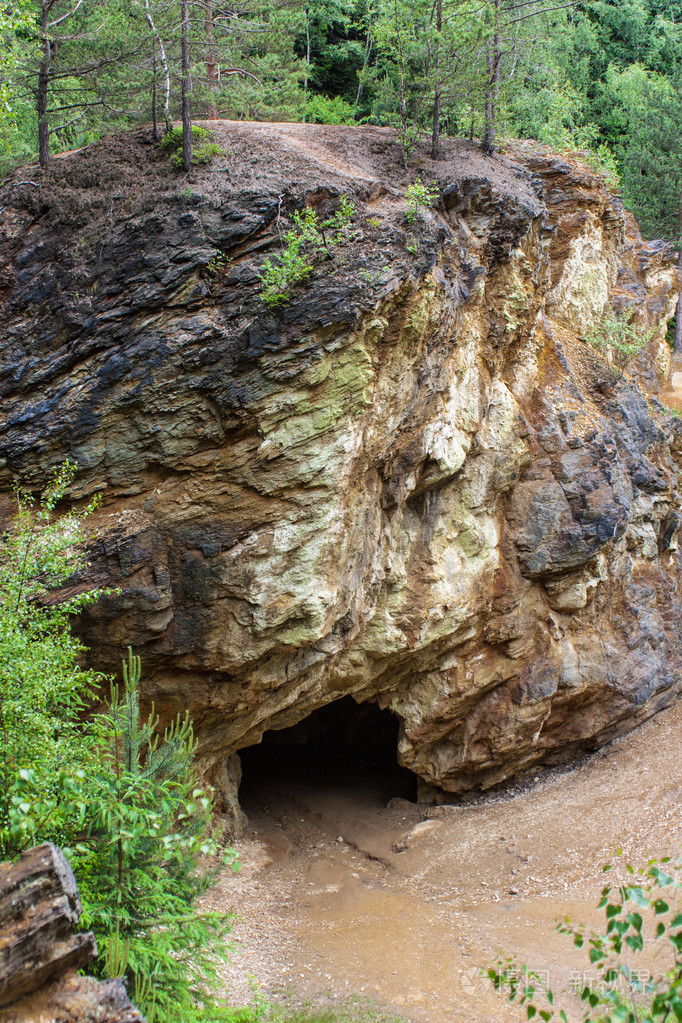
(672, 397)
(341, 895)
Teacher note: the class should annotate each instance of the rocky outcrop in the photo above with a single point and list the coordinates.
(414, 484)
(40, 953)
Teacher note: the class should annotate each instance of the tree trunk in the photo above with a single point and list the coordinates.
(435, 136)
(307, 64)
(186, 109)
(678, 319)
(211, 65)
(164, 64)
(43, 86)
(155, 123)
(368, 53)
(493, 88)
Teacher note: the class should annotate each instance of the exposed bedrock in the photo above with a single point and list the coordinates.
(415, 484)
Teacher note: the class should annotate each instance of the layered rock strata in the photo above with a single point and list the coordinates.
(415, 483)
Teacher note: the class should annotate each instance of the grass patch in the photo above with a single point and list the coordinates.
(354, 1010)
(348, 1013)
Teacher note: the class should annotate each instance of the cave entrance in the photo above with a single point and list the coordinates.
(344, 750)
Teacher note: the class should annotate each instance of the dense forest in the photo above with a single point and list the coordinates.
(597, 74)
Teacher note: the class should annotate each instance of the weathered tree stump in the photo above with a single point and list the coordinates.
(39, 910)
(40, 951)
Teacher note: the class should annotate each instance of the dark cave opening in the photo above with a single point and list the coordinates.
(343, 747)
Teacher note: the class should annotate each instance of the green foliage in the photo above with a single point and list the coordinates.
(601, 160)
(38, 807)
(329, 110)
(146, 827)
(203, 150)
(202, 154)
(217, 263)
(279, 275)
(15, 21)
(121, 798)
(43, 690)
(263, 40)
(420, 195)
(650, 150)
(308, 237)
(641, 916)
(354, 1010)
(617, 337)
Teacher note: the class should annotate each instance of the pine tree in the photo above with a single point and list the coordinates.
(146, 826)
(651, 157)
(65, 49)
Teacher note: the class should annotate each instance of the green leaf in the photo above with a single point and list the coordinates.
(635, 921)
(663, 879)
(635, 894)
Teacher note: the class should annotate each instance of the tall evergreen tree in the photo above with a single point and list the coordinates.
(515, 29)
(651, 156)
(64, 50)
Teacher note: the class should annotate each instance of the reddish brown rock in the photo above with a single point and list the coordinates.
(415, 484)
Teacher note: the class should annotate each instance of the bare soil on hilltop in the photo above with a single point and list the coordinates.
(126, 175)
(340, 895)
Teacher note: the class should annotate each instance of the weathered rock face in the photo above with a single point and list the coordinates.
(414, 484)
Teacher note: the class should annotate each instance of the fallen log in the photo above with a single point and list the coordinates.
(40, 950)
(39, 910)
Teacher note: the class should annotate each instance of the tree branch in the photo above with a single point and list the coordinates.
(53, 24)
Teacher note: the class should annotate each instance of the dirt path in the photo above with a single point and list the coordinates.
(672, 397)
(341, 895)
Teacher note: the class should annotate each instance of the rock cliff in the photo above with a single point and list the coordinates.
(414, 484)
